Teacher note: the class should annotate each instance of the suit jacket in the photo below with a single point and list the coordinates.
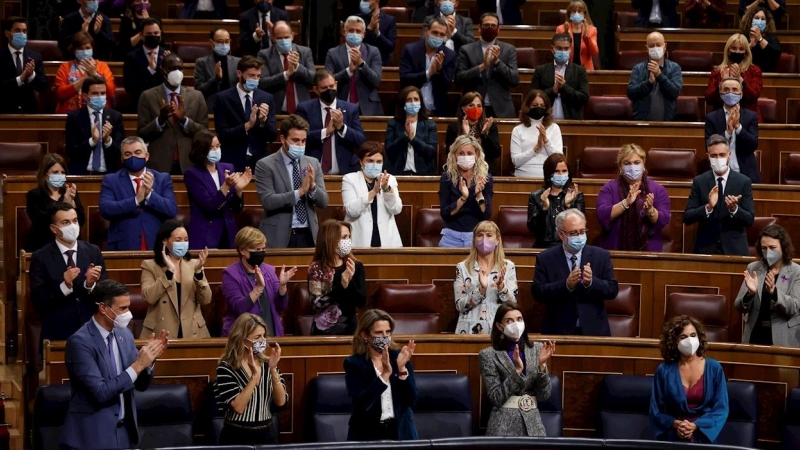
(61, 314)
(236, 288)
(247, 26)
(103, 40)
(190, 8)
(211, 212)
(168, 312)
(359, 212)
(387, 40)
(746, 139)
(495, 81)
(20, 99)
(574, 93)
(276, 192)
(162, 142)
(669, 18)
(229, 120)
(586, 304)
(205, 76)
(510, 9)
(346, 146)
(78, 131)
(129, 220)
(425, 144)
(785, 309)
(413, 71)
(720, 230)
(272, 79)
(94, 405)
(465, 30)
(365, 389)
(501, 382)
(368, 76)
(37, 206)
(136, 76)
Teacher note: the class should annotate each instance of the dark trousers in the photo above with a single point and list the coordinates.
(301, 238)
(231, 435)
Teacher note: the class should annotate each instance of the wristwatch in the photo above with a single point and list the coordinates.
(387, 188)
(482, 201)
(760, 39)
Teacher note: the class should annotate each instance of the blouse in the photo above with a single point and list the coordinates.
(611, 237)
(542, 223)
(38, 204)
(70, 99)
(335, 306)
(751, 89)
(527, 161)
(585, 44)
(470, 213)
(477, 311)
(231, 382)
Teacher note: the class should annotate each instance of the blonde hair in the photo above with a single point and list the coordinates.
(748, 55)
(365, 322)
(235, 349)
(481, 168)
(578, 4)
(627, 150)
(248, 237)
(499, 255)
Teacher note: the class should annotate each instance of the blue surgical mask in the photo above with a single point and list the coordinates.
(83, 54)
(222, 49)
(633, 171)
(731, 99)
(576, 17)
(372, 170)
(296, 151)
(179, 249)
(284, 44)
(365, 7)
(447, 7)
(134, 164)
(92, 6)
(761, 24)
(560, 179)
(56, 180)
(214, 155)
(250, 85)
(562, 56)
(772, 256)
(97, 103)
(435, 42)
(354, 39)
(576, 243)
(19, 40)
(412, 108)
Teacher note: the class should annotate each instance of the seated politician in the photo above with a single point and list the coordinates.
(574, 281)
(689, 401)
(558, 193)
(411, 141)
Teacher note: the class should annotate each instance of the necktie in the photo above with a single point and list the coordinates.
(19, 62)
(353, 87)
(327, 146)
(265, 38)
(173, 98)
(290, 104)
(70, 261)
(574, 260)
(248, 108)
(97, 153)
(300, 206)
(115, 370)
(720, 192)
(143, 245)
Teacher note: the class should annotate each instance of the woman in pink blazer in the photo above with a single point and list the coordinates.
(584, 34)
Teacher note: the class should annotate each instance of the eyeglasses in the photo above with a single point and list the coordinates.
(576, 233)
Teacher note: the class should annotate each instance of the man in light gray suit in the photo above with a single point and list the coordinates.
(288, 71)
(217, 71)
(357, 68)
(489, 66)
(291, 188)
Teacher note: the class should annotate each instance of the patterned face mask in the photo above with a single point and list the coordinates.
(380, 342)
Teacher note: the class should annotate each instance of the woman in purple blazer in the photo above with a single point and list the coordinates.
(632, 209)
(215, 193)
(248, 290)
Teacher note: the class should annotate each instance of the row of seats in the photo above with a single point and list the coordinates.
(608, 107)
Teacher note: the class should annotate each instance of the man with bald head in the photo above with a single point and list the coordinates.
(656, 83)
(288, 72)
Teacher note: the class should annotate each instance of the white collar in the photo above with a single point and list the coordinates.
(92, 110)
(331, 106)
(62, 248)
(134, 177)
(14, 50)
(103, 332)
(725, 176)
(242, 92)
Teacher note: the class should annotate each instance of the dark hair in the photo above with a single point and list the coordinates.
(106, 291)
(168, 59)
(249, 62)
(489, 14)
(532, 95)
(776, 232)
(293, 122)
(498, 338)
(8, 24)
(466, 99)
(435, 19)
(91, 80)
(151, 21)
(320, 75)
(549, 169)
(400, 113)
(214, 31)
(716, 139)
(668, 343)
(201, 145)
(50, 160)
(561, 37)
(747, 21)
(164, 233)
(328, 236)
(370, 148)
(56, 208)
(79, 39)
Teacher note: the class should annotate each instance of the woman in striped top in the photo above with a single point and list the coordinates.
(248, 383)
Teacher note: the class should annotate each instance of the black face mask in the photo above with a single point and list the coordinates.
(736, 58)
(256, 258)
(152, 41)
(537, 113)
(328, 96)
(264, 6)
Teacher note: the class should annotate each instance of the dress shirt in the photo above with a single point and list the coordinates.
(349, 73)
(334, 162)
(427, 88)
(411, 165)
(449, 42)
(558, 111)
(93, 143)
(168, 92)
(734, 161)
(147, 52)
(242, 94)
(484, 46)
(131, 373)
(655, 13)
(205, 5)
(262, 18)
(387, 405)
(721, 197)
(21, 51)
(290, 169)
(63, 249)
(133, 182)
(215, 177)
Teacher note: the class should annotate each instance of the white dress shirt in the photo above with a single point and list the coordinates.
(262, 18)
(205, 5)
(558, 110)
(63, 249)
(410, 163)
(499, 10)
(21, 51)
(655, 13)
(133, 182)
(93, 143)
(324, 134)
(242, 95)
(484, 46)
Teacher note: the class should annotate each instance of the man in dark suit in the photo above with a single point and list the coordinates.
(335, 124)
(94, 132)
(244, 117)
(430, 66)
(63, 273)
(566, 84)
(489, 66)
(212, 10)
(509, 12)
(381, 30)
(357, 68)
(135, 200)
(721, 203)
(104, 368)
(90, 20)
(739, 126)
(353, 8)
(459, 28)
(142, 68)
(574, 280)
(217, 71)
(255, 26)
(288, 72)
(664, 16)
(21, 70)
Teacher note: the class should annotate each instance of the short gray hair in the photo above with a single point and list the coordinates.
(716, 139)
(355, 19)
(564, 215)
(133, 140)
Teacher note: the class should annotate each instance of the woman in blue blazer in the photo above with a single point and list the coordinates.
(380, 381)
(411, 133)
(215, 193)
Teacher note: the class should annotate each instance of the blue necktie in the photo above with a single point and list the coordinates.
(248, 107)
(115, 372)
(97, 153)
(300, 206)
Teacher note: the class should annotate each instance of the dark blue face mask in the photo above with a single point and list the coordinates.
(134, 164)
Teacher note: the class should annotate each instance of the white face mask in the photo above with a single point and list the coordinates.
(514, 330)
(122, 320)
(720, 165)
(689, 345)
(466, 162)
(175, 78)
(345, 246)
(70, 232)
(656, 53)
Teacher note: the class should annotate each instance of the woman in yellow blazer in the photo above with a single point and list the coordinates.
(175, 286)
(583, 33)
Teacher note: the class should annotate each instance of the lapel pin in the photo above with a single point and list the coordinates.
(784, 278)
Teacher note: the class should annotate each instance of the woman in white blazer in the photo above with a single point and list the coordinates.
(371, 200)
